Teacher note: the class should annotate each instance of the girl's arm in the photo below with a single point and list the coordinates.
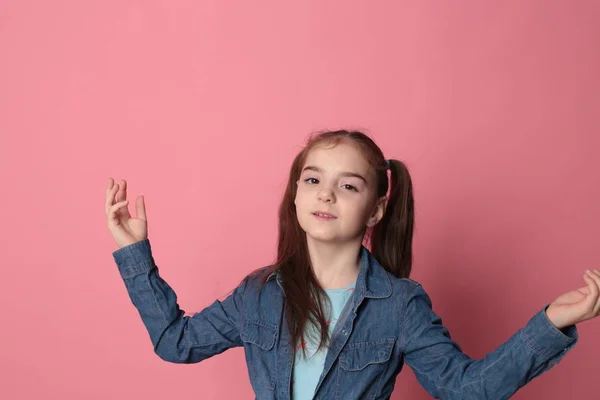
(175, 337)
(447, 373)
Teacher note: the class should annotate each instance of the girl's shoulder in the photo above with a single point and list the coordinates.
(403, 286)
(259, 278)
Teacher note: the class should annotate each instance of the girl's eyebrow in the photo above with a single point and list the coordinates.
(348, 174)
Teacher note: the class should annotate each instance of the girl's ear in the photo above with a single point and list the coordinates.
(378, 212)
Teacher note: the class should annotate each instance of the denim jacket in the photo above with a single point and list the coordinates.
(386, 322)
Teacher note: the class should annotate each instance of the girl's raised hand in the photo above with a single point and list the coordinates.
(124, 229)
(577, 305)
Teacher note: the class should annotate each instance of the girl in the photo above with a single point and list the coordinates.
(331, 319)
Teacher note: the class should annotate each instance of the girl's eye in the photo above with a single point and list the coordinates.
(314, 181)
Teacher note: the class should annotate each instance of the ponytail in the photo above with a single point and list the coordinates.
(391, 238)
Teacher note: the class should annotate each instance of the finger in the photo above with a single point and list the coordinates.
(595, 274)
(122, 190)
(122, 196)
(584, 290)
(121, 193)
(112, 215)
(140, 208)
(109, 186)
(595, 277)
(110, 198)
(592, 298)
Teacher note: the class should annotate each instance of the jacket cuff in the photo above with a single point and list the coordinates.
(546, 339)
(134, 259)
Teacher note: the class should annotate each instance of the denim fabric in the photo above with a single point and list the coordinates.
(388, 322)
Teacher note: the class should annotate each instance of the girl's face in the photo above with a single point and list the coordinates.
(338, 183)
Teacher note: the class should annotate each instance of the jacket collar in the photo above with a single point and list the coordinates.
(373, 280)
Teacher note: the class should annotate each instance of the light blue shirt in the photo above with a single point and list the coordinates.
(307, 370)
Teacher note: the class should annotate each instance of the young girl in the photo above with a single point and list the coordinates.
(331, 318)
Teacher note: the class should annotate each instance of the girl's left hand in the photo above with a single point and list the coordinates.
(577, 305)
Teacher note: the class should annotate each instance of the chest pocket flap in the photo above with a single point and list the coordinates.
(260, 333)
(356, 356)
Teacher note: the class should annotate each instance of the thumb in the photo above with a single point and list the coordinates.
(140, 208)
(594, 292)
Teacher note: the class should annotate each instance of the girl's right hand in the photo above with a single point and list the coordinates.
(124, 229)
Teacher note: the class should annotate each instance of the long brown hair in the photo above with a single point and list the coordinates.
(390, 241)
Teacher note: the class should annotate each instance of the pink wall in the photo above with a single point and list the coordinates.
(201, 106)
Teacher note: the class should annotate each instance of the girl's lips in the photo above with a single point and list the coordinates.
(324, 216)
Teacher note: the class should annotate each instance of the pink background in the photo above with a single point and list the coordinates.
(201, 106)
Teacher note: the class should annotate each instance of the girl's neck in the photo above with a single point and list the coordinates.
(335, 265)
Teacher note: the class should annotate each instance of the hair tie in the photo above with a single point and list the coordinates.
(388, 163)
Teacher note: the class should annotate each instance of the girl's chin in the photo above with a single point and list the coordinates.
(321, 236)
(329, 238)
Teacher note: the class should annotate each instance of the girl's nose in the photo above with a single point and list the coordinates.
(326, 195)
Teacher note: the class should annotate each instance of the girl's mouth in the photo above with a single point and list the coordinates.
(323, 216)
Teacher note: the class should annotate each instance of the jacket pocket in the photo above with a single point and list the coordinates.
(357, 356)
(362, 367)
(260, 333)
(259, 339)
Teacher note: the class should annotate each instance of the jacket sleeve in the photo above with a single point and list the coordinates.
(177, 338)
(447, 373)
